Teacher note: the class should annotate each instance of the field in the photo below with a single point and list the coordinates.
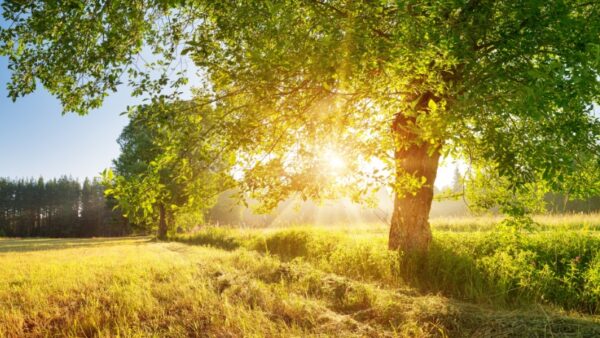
(479, 280)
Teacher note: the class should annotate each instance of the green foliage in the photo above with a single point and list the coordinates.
(511, 84)
(511, 267)
(86, 48)
(165, 163)
(487, 190)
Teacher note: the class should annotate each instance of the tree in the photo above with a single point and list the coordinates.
(56, 208)
(92, 208)
(166, 167)
(457, 181)
(400, 83)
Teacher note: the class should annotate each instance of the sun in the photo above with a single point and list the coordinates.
(334, 160)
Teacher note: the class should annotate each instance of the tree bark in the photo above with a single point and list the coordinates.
(162, 222)
(409, 229)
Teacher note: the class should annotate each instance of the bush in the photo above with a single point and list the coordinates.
(290, 244)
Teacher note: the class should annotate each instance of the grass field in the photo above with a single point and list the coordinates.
(306, 281)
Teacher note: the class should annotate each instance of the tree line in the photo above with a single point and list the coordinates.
(60, 207)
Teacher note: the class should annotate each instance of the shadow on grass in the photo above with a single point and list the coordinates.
(39, 244)
(471, 320)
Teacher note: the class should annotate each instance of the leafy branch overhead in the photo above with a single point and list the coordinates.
(391, 85)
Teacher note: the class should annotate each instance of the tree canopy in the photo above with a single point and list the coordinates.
(167, 167)
(389, 85)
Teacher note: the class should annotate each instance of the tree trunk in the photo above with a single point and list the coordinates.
(409, 228)
(162, 222)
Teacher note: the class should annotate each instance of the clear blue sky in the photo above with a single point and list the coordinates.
(35, 139)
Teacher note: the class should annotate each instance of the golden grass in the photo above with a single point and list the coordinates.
(475, 223)
(135, 287)
(544, 222)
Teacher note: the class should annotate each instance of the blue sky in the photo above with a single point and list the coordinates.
(36, 140)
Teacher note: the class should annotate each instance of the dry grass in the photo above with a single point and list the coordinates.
(135, 287)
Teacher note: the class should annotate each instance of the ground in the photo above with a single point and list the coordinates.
(242, 287)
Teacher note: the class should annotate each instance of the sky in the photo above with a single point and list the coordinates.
(37, 140)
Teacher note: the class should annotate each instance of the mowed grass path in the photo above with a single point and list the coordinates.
(137, 287)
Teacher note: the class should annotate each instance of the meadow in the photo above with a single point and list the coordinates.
(480, 279)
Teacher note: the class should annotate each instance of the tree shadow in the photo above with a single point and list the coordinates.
(470, 320)
(38, 244)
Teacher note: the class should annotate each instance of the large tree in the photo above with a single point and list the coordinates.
(389, 85)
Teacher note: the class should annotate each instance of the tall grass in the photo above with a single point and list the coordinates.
(143, 288)
(505, 267)
(548, 222)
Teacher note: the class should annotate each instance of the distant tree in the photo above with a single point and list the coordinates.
(5, 203)
(226, 210)
(57, 208)
(457, 181)
(404, 82)
(91, 208)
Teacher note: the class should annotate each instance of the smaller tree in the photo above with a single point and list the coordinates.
(170, 164)
(457, 182)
